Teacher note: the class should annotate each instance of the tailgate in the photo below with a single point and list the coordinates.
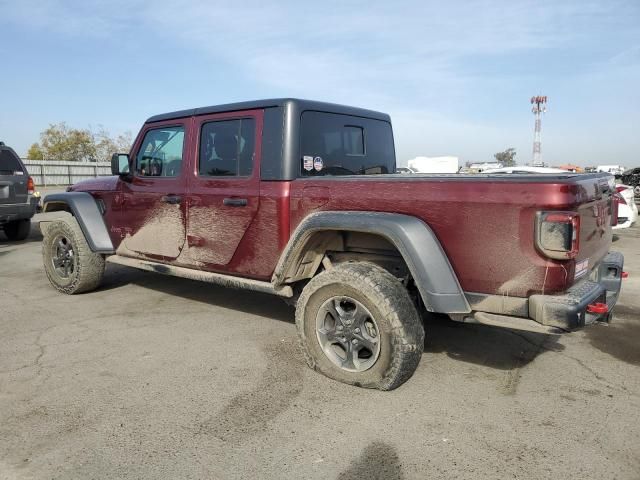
(595, 223)
(13, 179)
(13, 189)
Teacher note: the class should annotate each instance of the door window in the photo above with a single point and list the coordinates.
(160, 153)
(227, 148)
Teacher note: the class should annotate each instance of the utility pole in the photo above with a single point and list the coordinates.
(539, 107)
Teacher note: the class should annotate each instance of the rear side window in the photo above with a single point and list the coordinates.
(227, 148)
(160, 154)
(10, 163)
(334, 144)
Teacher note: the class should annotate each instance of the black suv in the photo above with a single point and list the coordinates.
(17, 203)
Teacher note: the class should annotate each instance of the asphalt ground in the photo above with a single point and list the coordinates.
(156, 377)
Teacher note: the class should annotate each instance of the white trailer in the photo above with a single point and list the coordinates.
(445, 164)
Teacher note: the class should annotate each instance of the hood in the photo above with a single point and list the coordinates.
(94, 184)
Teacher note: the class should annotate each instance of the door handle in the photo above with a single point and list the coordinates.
(172, 199)
(235, 202)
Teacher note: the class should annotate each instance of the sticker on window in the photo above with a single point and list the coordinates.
(307, 163)
(318, 163)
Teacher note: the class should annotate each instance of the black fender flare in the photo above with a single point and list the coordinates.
(414, 239)
(86, 211)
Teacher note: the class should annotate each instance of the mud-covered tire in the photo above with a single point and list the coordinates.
(86, 268)
(18, 229)
(401, 334)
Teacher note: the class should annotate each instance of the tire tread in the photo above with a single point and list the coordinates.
(393, 302)
(90, 265)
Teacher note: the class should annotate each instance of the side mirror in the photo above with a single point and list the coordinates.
(120, 164)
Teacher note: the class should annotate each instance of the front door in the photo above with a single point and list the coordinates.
(153, 209)
(224, 190)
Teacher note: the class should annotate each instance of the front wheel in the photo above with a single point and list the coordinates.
(358, 325)
(69, 263)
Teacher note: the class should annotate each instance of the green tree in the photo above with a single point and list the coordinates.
(59, 142)
(506, 158)
(35, 152)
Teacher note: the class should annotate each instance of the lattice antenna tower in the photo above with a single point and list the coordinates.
(539, 106)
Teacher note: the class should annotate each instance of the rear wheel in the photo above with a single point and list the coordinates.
(18, 229)
(69, 263)
(358, 325)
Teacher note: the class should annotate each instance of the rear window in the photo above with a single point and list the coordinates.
(9, 163)
(334, 144)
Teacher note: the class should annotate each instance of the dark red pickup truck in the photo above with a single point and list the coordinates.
(300, 199)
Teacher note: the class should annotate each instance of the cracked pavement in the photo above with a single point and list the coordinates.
(159, 377)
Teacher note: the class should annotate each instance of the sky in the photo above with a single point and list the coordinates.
(455, 76)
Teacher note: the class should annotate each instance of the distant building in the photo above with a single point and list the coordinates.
(571, 168)
(613, 169)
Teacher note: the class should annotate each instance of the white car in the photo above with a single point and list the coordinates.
(627, 211)
(525, 169)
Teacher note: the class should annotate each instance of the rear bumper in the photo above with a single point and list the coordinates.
(18, 211)
(552, 313)
(568, 311)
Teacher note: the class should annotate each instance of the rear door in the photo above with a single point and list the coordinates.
(13, 178)
(224, 188)
(153, 209)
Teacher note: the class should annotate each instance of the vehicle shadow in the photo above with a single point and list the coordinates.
(34, 236)
(499, 348)
(254, 303)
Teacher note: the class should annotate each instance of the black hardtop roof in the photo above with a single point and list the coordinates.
(297, 103)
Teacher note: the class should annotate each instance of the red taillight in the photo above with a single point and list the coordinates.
(624, 274)
(615, 204)
(558, 234)
(31, 187)
(620, 200)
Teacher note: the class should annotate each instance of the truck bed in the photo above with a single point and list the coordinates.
(485, 223)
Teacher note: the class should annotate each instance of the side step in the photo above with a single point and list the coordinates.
(514, 323)
(210, 277)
